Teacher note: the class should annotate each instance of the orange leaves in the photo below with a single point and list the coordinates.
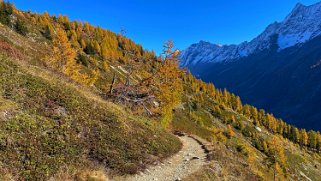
(229, 131)
(169, 87)
(63, 60)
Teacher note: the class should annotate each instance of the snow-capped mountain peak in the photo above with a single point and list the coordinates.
(300, 26)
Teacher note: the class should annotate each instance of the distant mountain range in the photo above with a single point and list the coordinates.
(279, 70)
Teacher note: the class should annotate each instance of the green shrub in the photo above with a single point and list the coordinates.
(6, 11)
(57, 126)
(21, 28)
(242, 149)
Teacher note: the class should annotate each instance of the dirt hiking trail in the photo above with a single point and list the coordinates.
(188, 160)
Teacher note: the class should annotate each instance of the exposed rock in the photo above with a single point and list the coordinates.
(258, 129)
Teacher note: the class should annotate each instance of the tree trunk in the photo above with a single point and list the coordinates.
(112, 84)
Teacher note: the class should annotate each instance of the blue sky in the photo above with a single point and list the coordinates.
(152, 22)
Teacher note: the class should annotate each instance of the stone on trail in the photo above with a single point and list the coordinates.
(195, 158)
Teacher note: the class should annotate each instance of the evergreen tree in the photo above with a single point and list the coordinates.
(246, 111)
(304, 138)
(83, 43)
(232, 120)
(312, 139)
(225, 97)
(63, 59)
(48, 32)
(276, 157)
(74, 39)
(318, 146)
(239, 125)
(296, 135)
(229, 131)
(6, 9)
(254, 113)
(64, 53)
(264, 146)
(90, 48)
(238, 104)
(21, 28)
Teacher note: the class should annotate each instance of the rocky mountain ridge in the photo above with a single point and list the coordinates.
(300, 26)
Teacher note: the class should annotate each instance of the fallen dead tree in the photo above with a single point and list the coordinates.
(136, 97)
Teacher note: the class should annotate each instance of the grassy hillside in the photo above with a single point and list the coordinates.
(78, 101)
(48, 124)
(249, 151)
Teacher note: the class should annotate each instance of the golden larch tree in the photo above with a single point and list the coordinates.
(169, 87)
(63, 59)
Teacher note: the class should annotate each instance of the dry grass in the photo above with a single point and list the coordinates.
(94, 129)
(92, 176)
(91, 173)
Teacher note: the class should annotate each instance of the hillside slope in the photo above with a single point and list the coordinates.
(285, 83)
(48, 125)
(82, 103)
(277, 71)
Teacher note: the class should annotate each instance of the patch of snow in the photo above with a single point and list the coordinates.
(300, 26)
(286, 41)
